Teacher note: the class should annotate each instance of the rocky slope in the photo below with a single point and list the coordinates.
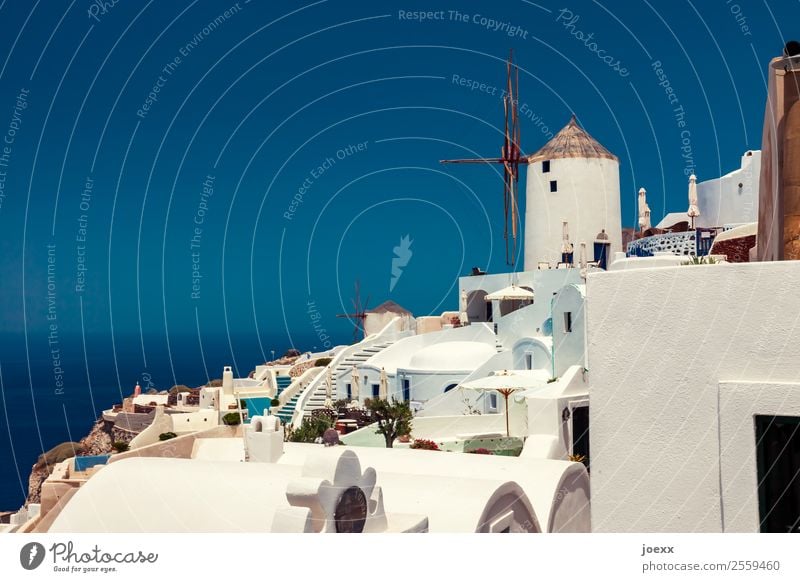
(97, 442)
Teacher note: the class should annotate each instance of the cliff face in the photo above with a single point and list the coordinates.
(99, 439)
(97, 442)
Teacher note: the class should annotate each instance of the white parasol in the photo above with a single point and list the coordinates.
(694, 210)
(383, 390)
(506, 383)
(582, 259)
(328, 388)
(644, 210)
(354, 384)
(566, 246)
(511, 292)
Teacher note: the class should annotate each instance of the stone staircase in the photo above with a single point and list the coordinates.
(286, 411)
(357, 358)
(283, 383)
(316, 399)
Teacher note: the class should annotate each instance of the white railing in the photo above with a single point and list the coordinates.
(677, 243)
(385, 334)
(299, 384)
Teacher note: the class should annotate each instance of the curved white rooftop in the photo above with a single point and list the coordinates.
(457, 492)
(451, 356)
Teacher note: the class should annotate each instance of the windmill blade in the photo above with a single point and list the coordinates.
(473, 161)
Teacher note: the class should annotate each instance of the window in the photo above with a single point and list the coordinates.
(567, 321)
(778, 472)
(529, 360)
(553, 186)
(406, 389)
(493, 401)
(349, 391)
(376, 390)
(580, 433)
(545, 166)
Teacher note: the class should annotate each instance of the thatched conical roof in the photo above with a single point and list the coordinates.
(571, 142)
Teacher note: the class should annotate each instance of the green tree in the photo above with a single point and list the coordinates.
(393, 418)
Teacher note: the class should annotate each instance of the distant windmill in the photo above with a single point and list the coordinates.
(511, 158)
(359, 314)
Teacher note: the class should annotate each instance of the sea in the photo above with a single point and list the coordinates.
(45, 401)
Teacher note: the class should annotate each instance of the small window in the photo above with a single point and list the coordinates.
(529, 360)
(553, 186)
(349, 391)
(545, 166)
(492, 401)
(376, 390)
(567, 321)
(450, 387)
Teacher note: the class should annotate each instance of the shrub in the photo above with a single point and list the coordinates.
(425, 445)
(311, 429)
(231, 419)
(275, 402)
(120, 446)
(481, 451)
(165, 436)
(321, 362)
(700, 261)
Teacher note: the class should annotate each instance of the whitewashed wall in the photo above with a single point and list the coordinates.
(659, 343)
(723, 201)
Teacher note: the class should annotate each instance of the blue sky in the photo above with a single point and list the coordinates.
(244, 163)
(149, 101)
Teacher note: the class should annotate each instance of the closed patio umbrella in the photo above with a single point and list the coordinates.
(644, 211)
(383, 390)
(354, 380)
(328, 388)
(694, 210)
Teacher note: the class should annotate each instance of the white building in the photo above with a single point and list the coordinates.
(694, 395)
(731, 199)
(574, 179)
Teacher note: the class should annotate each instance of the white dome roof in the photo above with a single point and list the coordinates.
(451, 356)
